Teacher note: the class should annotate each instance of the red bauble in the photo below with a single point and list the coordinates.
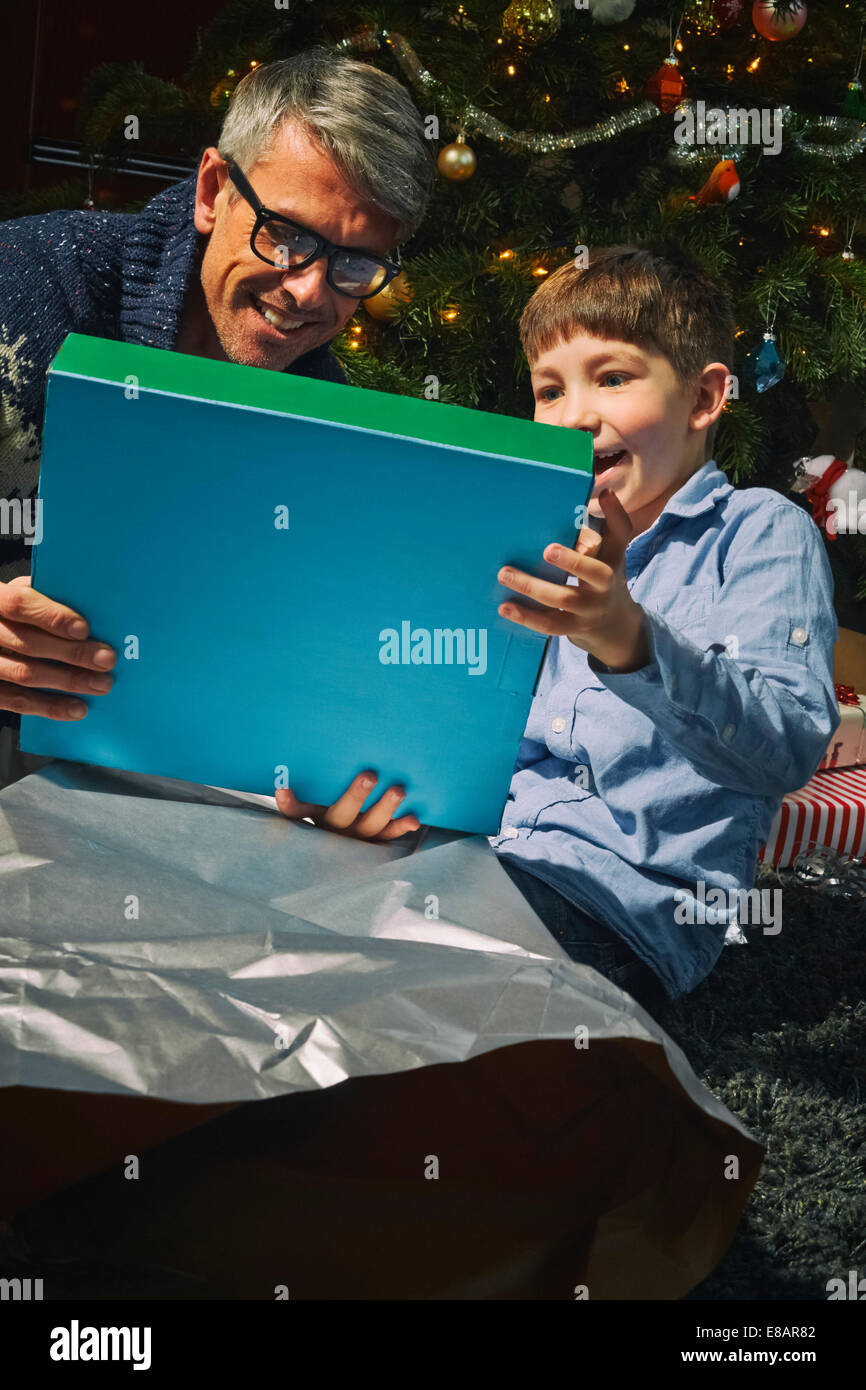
(726, 13)
(767, 24)
(666, 86)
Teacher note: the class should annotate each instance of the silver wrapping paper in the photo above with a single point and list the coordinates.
(159, 938)
(162, 941)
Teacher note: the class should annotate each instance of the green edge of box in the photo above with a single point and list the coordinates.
(229, 382)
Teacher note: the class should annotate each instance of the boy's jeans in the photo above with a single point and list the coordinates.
(589, 942)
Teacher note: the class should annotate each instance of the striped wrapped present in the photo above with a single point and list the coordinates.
(848, 744)
(830, 810)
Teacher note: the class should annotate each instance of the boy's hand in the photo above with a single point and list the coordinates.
(600, 616)
(345, 817)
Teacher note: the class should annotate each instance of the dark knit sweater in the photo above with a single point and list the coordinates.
(107, 274)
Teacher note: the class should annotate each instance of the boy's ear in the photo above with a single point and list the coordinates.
(710, 396)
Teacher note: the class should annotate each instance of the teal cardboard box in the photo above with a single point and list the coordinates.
(299, 577)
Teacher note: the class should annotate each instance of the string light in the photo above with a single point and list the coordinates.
(753, 66)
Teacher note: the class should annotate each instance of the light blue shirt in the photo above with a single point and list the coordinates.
(630, 787)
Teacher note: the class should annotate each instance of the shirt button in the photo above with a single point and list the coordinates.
(799, 635)
(728, 732)
(558, 725)
(510, 832)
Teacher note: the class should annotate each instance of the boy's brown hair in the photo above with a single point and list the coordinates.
(653, 295)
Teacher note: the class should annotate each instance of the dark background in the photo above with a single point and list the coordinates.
(52, 46)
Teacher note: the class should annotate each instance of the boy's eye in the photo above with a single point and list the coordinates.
(623, 376)
(542, 395)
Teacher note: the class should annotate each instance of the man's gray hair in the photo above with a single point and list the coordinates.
(363, 118)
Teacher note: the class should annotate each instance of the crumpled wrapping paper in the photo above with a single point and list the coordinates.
(161, 939)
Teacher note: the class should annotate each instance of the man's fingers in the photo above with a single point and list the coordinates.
(32, 641)
(21, 670)
(19, 700)
(24, 604)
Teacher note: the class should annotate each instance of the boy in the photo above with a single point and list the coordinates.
(688, 682)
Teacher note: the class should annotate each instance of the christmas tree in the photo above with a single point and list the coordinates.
(568, 124)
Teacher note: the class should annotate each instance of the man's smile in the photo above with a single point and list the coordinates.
(277, 319)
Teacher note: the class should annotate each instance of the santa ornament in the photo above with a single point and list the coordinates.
(836, 493)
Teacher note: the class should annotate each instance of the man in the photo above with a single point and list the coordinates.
(330, 143)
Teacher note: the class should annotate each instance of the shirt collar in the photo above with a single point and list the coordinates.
(699, 493)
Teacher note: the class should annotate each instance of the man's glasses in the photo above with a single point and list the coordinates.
(289, 246)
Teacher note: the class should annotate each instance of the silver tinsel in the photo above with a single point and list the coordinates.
(371, 38)
(474, 119)
(824, 870)
(711, 154)
(852, 140)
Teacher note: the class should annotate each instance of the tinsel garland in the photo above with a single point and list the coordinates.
(371, 38)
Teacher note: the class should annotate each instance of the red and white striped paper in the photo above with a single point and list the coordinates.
(830, 810)
(848, 745)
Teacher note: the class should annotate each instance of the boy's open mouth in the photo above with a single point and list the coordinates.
(608, 458)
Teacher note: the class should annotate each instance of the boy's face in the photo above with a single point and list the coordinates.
(631, 402)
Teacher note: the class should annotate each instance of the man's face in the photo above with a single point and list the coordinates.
(632, 403)
(295, 178)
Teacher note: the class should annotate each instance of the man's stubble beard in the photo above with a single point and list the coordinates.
(237, 347)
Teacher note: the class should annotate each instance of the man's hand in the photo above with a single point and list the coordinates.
(34, 633)
(599, 614)
(345, 817)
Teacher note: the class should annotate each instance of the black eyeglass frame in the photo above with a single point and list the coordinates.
(322, 247)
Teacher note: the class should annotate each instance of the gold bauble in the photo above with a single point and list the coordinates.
(386, 304)
(457, 161)
(531, 21)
